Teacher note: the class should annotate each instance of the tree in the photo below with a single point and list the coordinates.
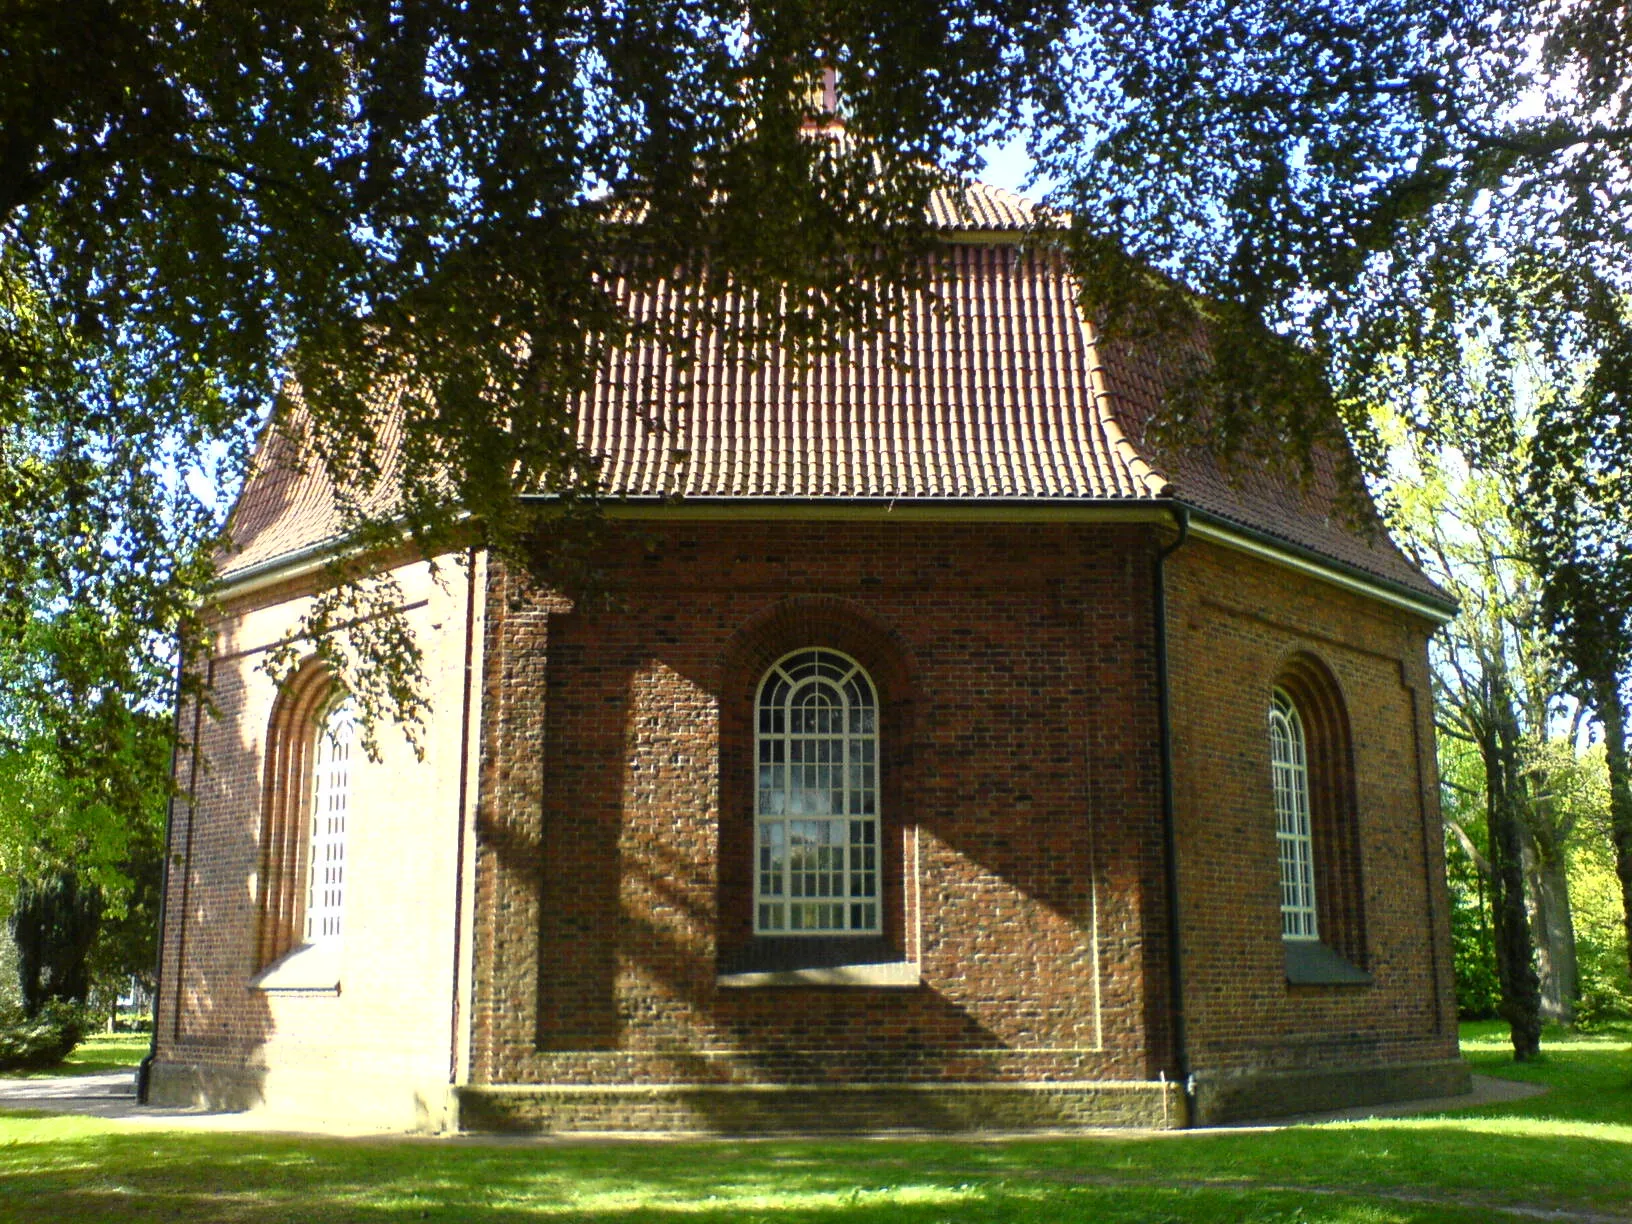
(54, 925)
(1595, 892)
(1584, 549)
(1372, 177)
(1467, 870)
(1385, 183)
(83, 786)
(1499, 690)
(206, 208)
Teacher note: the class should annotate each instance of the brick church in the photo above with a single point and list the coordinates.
(949, 758)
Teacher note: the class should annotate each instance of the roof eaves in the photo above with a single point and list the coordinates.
(1205, 524)
(281, 568)
(1150, 508)
(988, 235)
(1438, 608)
(1009, 508)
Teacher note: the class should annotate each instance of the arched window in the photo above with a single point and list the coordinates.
(1289, 757)
(306, 799)
(816, 820)
(1317, 827)
(326, 851)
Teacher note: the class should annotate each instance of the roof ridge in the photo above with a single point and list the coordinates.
(1139, 467)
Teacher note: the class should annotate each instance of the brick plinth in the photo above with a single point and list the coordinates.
(768, 1109)
(340, 1096)
(1231, 1096)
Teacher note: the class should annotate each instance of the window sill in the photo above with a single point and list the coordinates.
(890, 975)
(310, 969)
(1312, 963)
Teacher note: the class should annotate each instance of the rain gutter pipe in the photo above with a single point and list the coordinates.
(1170, 840)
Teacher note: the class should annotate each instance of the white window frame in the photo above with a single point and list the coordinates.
(1289, 765)
(816, 710)
(329, 810)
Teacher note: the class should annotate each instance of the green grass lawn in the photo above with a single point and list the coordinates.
(98, 1053)
(106, 1052)
(1567, 1154)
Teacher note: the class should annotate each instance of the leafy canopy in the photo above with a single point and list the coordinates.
(1384, 179)
(203, 206)
(206, 206)
(1394, 187)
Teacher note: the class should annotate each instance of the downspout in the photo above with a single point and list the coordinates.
(1170, 838)
(144, 1070)
(454, 1017)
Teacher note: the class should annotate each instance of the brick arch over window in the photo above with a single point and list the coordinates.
(286, 798)
(827, 623)
(1333, 813)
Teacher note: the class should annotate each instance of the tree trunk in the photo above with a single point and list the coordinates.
(1515, 967)
(1614, 715)
(1554, 932)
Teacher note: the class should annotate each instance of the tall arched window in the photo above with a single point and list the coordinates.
(816, 831)
(307, 797)
(1290, 761)
(331, 795)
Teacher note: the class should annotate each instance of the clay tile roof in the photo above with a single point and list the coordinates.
(980, 206)
(984, 386)
(287, 504)
(1308, 516)
(988, 386)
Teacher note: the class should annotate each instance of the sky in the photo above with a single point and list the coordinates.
(1008, 165)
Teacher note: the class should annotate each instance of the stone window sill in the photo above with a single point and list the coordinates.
(1312, 963)
(311, 969)
(889, 975)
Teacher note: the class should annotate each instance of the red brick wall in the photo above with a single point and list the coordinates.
(391, 1019)
(1015, 668)
(1235, 623)
(1017, 677)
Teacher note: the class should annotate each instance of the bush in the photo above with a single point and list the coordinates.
(1603, 1003)
(44, 1041)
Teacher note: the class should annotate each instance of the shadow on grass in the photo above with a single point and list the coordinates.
(76, 1169)
(132, 1176)
(1568, 1152)
(1589, 1075)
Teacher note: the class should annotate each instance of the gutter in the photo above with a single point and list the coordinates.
(1132, 509)
(297, 564)
(1218, 530)
(1170, 839)
(1205, 525)
(305, 560)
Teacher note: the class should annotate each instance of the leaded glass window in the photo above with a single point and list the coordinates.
(331, 793)
(1290, 765)
(816, 835)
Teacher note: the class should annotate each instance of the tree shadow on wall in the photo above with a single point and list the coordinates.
(628, 911)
